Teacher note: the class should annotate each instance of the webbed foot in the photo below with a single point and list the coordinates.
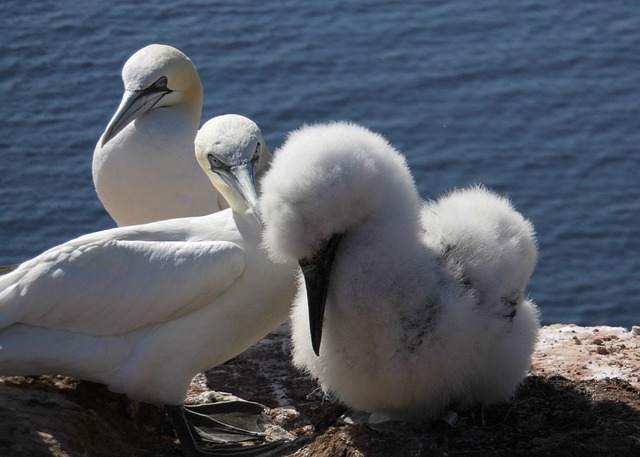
(222, 429)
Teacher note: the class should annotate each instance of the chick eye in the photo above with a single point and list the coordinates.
(256, 154)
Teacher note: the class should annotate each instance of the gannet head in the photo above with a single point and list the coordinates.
(231, 151)
(157, 76)
(324, 182)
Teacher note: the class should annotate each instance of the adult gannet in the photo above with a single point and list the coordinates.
(144, 168)
(425, 303)
(145, 308)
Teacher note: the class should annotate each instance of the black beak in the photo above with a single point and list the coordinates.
(316, 272)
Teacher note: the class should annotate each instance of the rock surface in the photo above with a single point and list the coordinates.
(582, 397)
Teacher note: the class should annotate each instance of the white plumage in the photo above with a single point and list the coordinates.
(144, 168)
(144, 308)
(425, 302)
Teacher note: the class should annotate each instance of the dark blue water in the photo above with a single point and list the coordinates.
(538, 100)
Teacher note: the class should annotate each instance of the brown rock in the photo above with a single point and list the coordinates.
(575, 401)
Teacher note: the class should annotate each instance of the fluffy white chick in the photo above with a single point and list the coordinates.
(412, 307)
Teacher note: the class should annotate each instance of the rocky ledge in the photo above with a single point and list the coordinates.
(582, 397)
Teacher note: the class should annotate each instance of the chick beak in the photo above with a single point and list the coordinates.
(316, 271)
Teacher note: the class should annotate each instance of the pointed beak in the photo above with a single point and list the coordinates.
(243, 180)
(316, 272)
(133, 105)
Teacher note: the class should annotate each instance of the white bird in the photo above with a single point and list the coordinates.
(425, 303)
(144, 167)
(145, 308)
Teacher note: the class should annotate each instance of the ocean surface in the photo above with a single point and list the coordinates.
(538, 100)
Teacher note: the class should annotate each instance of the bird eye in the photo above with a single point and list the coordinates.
(256, 154)
(214, 162)
(160, 84)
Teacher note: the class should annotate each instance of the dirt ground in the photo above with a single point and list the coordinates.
(581, 398)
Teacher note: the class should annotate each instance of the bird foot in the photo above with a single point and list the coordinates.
(376, 421)
(381, 422)
(221, 429)
(222, 422)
